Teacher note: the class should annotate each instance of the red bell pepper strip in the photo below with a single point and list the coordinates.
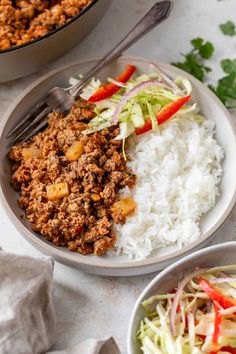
(217, 323)
(225, 349)
(165, 113)
(229, 350)
(216, 295)
(108, 90)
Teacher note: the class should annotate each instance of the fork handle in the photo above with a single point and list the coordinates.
(158, 13)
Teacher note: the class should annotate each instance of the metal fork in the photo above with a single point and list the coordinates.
(61, 99)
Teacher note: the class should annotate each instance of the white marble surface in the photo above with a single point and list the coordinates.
(91, 306)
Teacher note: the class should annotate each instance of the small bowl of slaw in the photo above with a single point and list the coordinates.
(190, 307)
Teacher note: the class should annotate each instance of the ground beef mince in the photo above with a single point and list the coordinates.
(69, 181)
(22, 21)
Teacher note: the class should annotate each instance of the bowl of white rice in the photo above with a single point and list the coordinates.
(185, 180)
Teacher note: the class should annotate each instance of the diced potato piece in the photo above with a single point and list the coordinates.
(95, 197)
(57, 191)
(31, 152)
(124, 206)
(75, 151)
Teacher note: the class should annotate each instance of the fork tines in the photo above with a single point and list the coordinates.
(29, 125)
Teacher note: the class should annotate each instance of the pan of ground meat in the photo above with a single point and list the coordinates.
(35, 32)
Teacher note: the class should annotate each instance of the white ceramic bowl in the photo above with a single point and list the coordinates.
(167, 280)
(210, 106)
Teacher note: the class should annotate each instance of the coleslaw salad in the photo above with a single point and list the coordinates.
(199, 316)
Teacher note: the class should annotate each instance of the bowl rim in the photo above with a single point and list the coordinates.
(50, 33)
(205, 251)
(71, 257)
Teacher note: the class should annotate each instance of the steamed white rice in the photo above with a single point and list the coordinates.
(178, 173)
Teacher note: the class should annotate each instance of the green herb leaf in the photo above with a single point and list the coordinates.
(197, 42)
(212, 88)
(229, 83)
(226, 89)
(206, 50)
(197, 70)
(219, 92)
(228, 28)
(192, 67)
(193, 63)
(228, 65)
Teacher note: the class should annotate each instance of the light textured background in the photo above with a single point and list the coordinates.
(91, 306)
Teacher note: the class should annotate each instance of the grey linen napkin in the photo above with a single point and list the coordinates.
(92, 346)
(27, 313)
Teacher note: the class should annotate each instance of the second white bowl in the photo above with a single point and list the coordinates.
(168, 279)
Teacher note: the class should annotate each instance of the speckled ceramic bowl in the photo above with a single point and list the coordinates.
(167, 280)
(113, 264)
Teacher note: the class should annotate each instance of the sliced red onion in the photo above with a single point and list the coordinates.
(133, 92)
(178, 294)
(222, 280)
(168, 81)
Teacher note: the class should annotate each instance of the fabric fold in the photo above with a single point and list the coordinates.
(27, 312)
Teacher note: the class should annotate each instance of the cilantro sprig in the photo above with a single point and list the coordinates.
(193, 61)
(228, 28)
(194, 64)
(204, 49)
(226, 86)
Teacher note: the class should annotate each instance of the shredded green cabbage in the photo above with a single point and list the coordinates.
(195, 318)
(136, 110)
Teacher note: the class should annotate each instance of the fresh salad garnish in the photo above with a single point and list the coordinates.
(140, 103)
(165, 113)
(197, 317)
(108, 90)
